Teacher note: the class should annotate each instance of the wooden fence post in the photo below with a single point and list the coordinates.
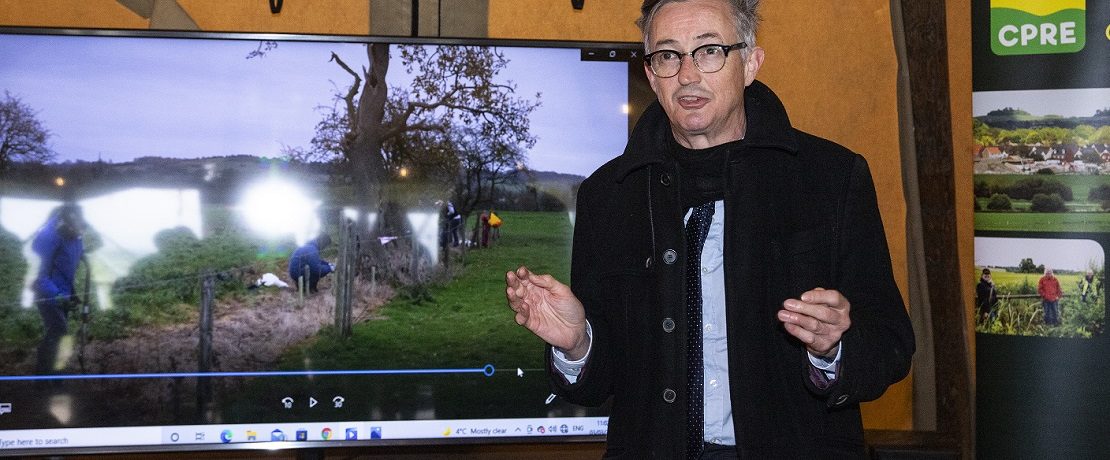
(344, 278)
(204, 351)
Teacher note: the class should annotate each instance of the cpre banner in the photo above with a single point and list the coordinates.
(1041, 125)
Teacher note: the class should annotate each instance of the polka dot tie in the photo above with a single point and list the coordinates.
(697, 227)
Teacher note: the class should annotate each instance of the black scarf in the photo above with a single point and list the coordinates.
(702, 173)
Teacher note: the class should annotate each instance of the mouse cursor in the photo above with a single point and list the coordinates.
(519, 372)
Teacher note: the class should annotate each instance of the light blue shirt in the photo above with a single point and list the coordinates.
(719, 428)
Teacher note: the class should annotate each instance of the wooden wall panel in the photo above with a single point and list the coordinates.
(599, 20)
(342, 17)
(61, 13)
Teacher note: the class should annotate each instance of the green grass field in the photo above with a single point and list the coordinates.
(1004, 278)
(465, 312)
(465, 324)
(1082, 215)
(1043, 222)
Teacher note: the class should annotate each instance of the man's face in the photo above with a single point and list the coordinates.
(705, 109)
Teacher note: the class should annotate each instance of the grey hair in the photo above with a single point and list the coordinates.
(745, 15)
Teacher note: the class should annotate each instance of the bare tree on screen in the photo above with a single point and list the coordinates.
(23, 138)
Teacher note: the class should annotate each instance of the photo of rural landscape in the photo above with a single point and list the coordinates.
(418, 174)
(1042, 160)
(1016, 277)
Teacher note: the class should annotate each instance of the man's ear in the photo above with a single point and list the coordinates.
(652, 79)
(752, 65)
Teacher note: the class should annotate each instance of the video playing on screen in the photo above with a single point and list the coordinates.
(224, 239)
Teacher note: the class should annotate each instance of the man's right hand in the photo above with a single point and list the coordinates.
(549, 309)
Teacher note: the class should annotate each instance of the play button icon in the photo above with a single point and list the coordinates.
(311, 402)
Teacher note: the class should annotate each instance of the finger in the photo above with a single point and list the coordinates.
(809, 323)
(544, 281)
(814, 343)
(522, 272)
(817, 312)
(801, 333)
(829, 297)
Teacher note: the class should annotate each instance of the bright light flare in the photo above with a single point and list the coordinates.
(125, 221)
(60, 181)
(425, 231)
(626, 109)
(276, 208)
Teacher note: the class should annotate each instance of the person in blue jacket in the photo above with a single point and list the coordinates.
(309, 255)
(60, 246)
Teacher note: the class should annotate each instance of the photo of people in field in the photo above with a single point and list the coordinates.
(1040, 287)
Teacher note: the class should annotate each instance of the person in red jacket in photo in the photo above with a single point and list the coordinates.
(1049, 289)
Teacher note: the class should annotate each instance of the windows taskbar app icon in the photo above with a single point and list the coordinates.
(325, 434)
(352, 434)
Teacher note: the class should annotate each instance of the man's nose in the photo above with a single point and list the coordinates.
(688, 72)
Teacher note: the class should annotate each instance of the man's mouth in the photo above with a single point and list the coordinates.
(692, 102)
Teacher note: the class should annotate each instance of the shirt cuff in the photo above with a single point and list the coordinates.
(571, 369)
(827, 366)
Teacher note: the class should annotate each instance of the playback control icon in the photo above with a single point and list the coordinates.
(286, 402)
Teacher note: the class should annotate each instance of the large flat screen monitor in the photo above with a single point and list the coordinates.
(285, 241)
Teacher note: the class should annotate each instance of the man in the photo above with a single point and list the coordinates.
(781, 358)
(309, 256)
(1049, 289)
(986, 297)
(60, 246)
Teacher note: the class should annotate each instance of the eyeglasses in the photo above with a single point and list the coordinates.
(707, 58)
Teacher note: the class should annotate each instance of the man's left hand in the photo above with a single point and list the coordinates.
(818, 318)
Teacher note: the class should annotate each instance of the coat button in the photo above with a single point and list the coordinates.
(669, 395)
(841, 399)
(668, 325)
(669, 256)
(665, 179)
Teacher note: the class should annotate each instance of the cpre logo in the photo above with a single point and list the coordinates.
(1038, 26)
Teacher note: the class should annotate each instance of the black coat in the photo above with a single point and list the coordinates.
(800, 213)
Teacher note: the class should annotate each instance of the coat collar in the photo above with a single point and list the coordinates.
(768, 127)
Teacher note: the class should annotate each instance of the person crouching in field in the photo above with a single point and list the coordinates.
(309, 256)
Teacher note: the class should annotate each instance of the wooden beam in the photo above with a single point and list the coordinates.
(927, 57)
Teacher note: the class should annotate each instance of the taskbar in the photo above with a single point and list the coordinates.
(274, 435)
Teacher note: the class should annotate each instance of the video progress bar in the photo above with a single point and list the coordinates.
(486, 370)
